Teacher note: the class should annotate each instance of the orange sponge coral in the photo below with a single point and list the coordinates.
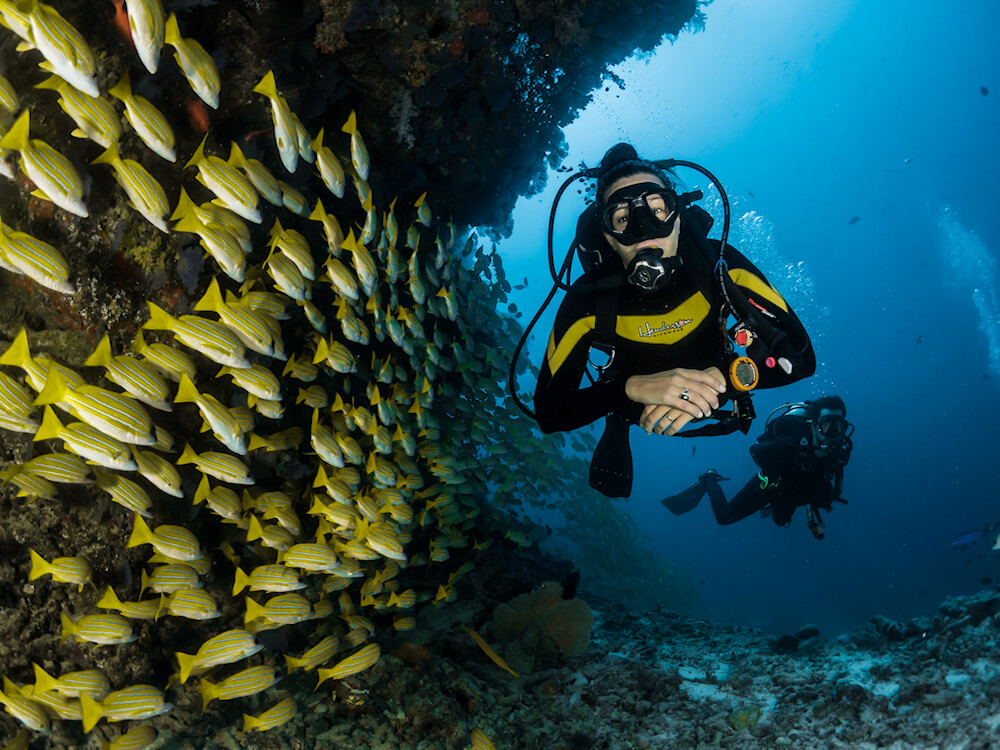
(543, 615)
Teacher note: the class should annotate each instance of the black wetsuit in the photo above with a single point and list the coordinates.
(678, 326)
(791, 475)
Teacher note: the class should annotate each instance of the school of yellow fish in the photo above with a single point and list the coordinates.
(400, 390)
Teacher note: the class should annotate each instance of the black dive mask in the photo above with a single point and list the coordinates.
(634, 213)
(649, 271)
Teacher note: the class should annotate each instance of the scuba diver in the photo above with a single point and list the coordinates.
(653, 307)
(801, 455)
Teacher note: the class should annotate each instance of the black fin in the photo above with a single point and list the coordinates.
(611, 465)
(686, 501)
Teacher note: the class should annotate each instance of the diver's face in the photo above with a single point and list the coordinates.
(667, 245)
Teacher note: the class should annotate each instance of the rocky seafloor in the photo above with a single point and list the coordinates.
(653, 679)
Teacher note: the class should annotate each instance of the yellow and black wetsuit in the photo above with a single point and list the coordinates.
(678, 326)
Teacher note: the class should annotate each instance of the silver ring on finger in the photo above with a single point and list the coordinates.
(685, 396)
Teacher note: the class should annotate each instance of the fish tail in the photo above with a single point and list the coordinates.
(141, 533)
(39, 566)
(351, 126)
(241, 582)
(292, 663)
(110, 600)
(110, 156)
(50, 428)
(254, 610)
(92, 711)
(188, 456)
(123, 89)
(55, 389)
(208, 693)
(171, 32)
(267, 86)
(67, 627)
(17, 137)
(256, 531)
(317, 142)
(187, 393)
(159, 319)
(199, 153)
(44, 682)
(236, 157)
(53, 83)
(102, 354)
(187, 663)
(211, 301)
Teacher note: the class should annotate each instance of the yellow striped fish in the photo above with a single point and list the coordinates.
(248, 682)
(176, 542)
(54, 176)
(145, 22)
(62, 46)
(284, 125)
(27, 711)
(258, 174)
(171, 577)
(273, 578)
(195, 63)
(138, 378)
(8, 96)
(92, 682)
(142, 610)
(320, 653)
(293, 199)
(131, 703)
(295, 246)
(145, 194)
(336, 356)
(15, 406)
(222, 466)
(111, 413)
(146, 120)
(208, 337)
(364, 263)
(330, 170)
(218, 417)
(359, 154)
(287, 276)
(303, 140)
(159, 472)
(255, 329)
(125, 492)
(191, 604)
(220, 500)
(232, 188)
(58, 467)
(283, 609)
(171, 362)
(342, 279)
(359, 661)
(299, 369)
(310, 556)
(139, 738)
(39, 261)
(95, 117)
(275, 716)
(480, 741)
(331, 227)
(218, 241)
(63, 569)
(256, 380)
(225, 648)
(104, 630)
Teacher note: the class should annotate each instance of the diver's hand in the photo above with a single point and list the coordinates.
(666, 411)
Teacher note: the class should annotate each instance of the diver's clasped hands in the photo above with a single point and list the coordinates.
(675, 397)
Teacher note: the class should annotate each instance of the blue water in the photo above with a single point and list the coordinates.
(811, 114)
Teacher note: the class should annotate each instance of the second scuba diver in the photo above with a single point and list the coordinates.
(655, 302)
(801, 455)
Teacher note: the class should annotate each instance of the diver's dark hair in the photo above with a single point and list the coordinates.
(833, 403)
(621, 160)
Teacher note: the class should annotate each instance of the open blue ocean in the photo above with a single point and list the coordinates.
(858, 146)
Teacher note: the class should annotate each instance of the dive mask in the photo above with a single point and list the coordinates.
(643, 211)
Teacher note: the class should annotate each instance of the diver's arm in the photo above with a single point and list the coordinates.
(770, 305)
(561, 401)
